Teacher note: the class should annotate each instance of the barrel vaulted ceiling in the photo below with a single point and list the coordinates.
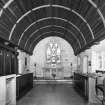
(23, 23)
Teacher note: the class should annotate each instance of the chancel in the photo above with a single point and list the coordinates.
(52, 52)
(53, 65)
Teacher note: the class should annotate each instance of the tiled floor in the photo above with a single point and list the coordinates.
(52, 94)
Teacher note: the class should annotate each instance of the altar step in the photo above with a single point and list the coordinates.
(53, 81)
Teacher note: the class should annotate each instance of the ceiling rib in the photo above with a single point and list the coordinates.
(98, 10)
(54, 26)
(7, 4)
(51, 18)
(77, 15)
(42, 35)
(49, 6)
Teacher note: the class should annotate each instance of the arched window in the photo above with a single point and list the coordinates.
(53, 52)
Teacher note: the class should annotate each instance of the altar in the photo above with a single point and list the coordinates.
(53, 72)
(53, 68)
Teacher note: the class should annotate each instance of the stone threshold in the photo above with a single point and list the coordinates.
(53, 81)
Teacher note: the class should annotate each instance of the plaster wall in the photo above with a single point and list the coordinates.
(23, 68)
(39, 57)
(96, 58)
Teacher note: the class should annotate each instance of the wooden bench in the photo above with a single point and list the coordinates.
(23, 84)
(100, 87)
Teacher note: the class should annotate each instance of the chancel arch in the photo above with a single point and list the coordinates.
(52, 33)
(52, 28)
(51, 55)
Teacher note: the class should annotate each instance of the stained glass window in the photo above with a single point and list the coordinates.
(53, 52)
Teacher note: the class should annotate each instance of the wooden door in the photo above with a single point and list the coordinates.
(2, 72)
(7, 63)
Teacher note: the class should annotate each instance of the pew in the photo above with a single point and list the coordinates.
(81, 84)
(100, 89)
(23, 84)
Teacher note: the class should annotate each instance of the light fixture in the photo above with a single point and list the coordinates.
(6, 43)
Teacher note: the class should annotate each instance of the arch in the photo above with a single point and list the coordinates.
(31, 48)
(98, 10)
(51, 26)
(93, 31)
(54, 18)
(90, 1)
(44, 6)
